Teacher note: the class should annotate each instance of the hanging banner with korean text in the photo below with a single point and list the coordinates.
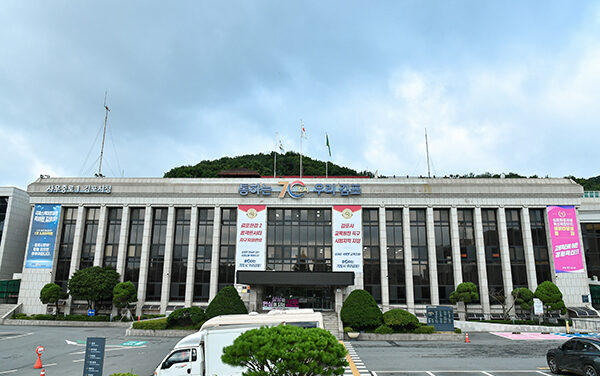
(42, 238)
(564, 235)
(347, 238)
(251, 237)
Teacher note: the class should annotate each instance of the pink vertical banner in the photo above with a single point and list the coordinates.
(564, 235)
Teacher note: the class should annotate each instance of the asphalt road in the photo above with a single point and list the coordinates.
(487, 354)
(65, 349)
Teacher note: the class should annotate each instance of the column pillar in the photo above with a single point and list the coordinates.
(123, 236)
(100, 236)
(166, 279)
(408, 273)
(484, 295)
(144, 259)
(505, 259)
(455, 242)
(383, 259)
(431, 256)
(76, 253)
(191, 261)
(528, 248)
(214, 260)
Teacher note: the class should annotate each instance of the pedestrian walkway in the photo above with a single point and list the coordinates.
(356, 366)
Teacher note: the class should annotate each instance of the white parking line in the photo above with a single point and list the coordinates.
(543, 373)
(430, 373)
(5, 372)
(78, 360)
(20, 335)
(486, 373)
(111, 349)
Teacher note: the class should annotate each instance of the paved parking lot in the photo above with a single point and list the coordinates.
(65, 349)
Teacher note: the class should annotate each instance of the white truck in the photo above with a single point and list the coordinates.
(199, 354)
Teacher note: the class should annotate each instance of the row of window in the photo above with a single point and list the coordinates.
(300, 240)
(3, 209)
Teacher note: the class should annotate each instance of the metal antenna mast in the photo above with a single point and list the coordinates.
(107, 110)
(427, 149)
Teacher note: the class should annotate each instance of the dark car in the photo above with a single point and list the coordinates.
(577, 355)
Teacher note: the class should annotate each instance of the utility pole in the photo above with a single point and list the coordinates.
(107, 110)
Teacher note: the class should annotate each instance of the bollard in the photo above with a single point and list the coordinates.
(43, 372)
(467, 338)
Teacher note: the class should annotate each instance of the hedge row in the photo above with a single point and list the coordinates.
(158, 324)
(22, 316)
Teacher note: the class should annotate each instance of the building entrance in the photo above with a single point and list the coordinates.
(319, 298)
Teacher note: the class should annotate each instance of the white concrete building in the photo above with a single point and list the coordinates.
(14, 220)
(177, 239)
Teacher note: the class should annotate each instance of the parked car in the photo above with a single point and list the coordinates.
(577, 355)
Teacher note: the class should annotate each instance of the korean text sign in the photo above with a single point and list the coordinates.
(564, 235)
(347, 238)
(42, 238)
(251, 237)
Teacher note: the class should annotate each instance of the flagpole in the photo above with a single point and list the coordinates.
(301, 127)
(326, 174)
(275, 161)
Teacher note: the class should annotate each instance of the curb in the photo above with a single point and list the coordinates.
(94, 324)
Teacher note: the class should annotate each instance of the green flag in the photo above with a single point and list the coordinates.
(327, 143)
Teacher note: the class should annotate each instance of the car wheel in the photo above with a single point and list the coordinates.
(590, 371)
(553, 365)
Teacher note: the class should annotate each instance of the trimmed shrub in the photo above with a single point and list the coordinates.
(42, 317)
(158, 324)
(227, 302)
(457, 331)
(122, 374)
(148, 316)
(21, 316)
(348, 329)
(400, 320)
(360, 311)
(101, 318)
(185, 317)
(425, 329)
(384, 329)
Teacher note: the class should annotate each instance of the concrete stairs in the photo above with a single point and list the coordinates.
(4, 310)
(331, 323)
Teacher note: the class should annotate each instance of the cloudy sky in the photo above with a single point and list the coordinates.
(500, 86)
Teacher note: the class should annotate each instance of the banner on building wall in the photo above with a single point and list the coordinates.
(564, 235)
(42, 238)
(347, 238)
(251, 237)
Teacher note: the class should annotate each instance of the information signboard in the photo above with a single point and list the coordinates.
(347, 238)
(94, 356)
(564, 235)
(251, 237)
(43, 236)
(538, 307)
(441, 318)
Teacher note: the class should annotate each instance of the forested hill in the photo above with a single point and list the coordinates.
(288, 164)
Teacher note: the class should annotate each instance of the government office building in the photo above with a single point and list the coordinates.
(307, 243)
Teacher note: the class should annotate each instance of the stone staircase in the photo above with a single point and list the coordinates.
(4, 309)
(331, 323)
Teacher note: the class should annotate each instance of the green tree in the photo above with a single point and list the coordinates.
(94, 284)
(523, 298)
(400, 319)
(360, 311)
(466, 292)
(51, 293)
(551, 297)
(124, 294)
(227, 302)
(286, 350)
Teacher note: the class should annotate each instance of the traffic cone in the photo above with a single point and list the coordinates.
(43, 372)
(467, 338)
(38, 363)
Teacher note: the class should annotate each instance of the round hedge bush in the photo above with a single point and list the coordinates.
(185, 317)
(400, 319)
(227, 302)
(360, 311)
(425, 329)
(384, 329)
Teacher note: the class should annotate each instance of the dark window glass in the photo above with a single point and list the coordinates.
(420, 259)
(181, 245)
(3, 209)
(443, 251)
(299, 240)
(491, 242)
(591, 244)
(371, 260)
(395, 252)
(203, 254)
(468, 252)
(90, 231)
(515, 248)
(227, 249)
(65, 249)
(540, 245)
(157, 254)
(134, 245)
(111, 242)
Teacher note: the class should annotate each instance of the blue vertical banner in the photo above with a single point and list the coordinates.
(40, 252)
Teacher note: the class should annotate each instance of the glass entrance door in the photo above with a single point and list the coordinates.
(319, 298)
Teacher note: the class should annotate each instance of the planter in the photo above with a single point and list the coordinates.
(353, 335)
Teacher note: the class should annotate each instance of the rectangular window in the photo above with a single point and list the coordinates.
(181, 247)
(111, 242)
(90, 231)
(420, 258)
(491, 242)
(157, 254)
(3, 209)
(516, 250)
(591, 244)
(395, 252)
(468, 251)
(65, 249)
(371, 260)
(443, 251)
(203, 254)
(540, 245)
(227, 249)
(134, 245)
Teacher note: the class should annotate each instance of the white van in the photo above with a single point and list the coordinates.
(199, 354)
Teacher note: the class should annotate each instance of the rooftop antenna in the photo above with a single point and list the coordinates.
(427, 149)
(107, 110)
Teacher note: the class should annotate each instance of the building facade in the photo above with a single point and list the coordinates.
(304, 243)
(14, 220)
